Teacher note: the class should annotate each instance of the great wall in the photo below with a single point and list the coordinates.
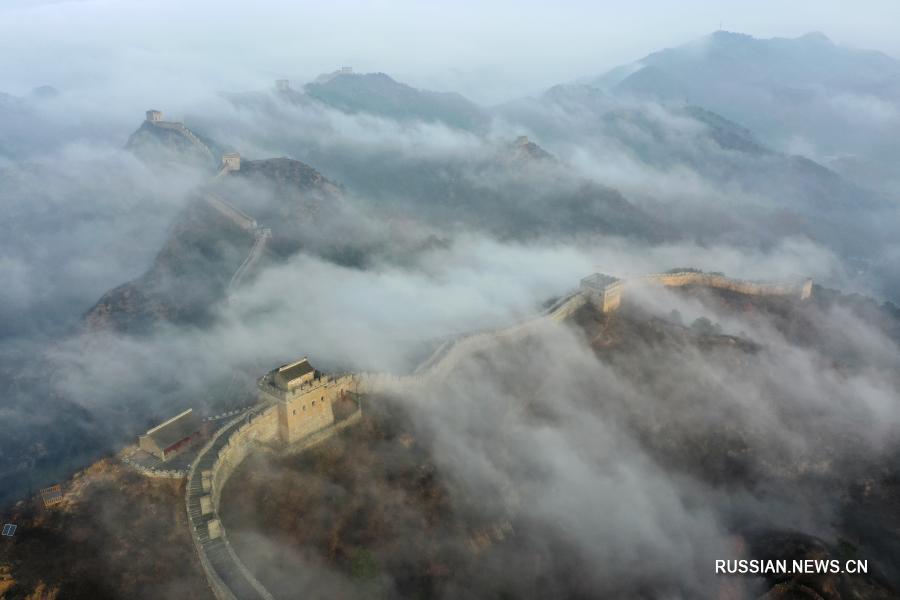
(264, 427)
(288, 421)
(231, 162)
(295, 407)
(155, 118)
(606, 292)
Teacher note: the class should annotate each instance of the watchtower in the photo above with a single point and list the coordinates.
(282, 85)
(303, 396)
(154, 116)
(346, 71)
(603, 291)
(231, 161)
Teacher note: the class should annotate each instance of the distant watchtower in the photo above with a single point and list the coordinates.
(282, 85)
(346, 70)
(154, 116)
(522, 140)
(231, 161)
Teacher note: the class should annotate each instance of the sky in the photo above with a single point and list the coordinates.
(490, 51)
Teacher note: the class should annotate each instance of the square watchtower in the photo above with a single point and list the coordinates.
(303, 397)
(231, 161)
(603, 291)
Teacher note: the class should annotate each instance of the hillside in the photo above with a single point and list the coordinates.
(116, 535)
(209, 241)
(807, 87)
(741, 187)
(379, 94)
(187, 278)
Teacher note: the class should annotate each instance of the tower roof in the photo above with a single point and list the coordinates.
(598, 281)
(175, 429)
(288, 374)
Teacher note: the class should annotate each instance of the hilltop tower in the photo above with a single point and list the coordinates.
(603, 291)
(282, 85)
(231, 161)
(346, 71)
(154, 116)
(303, 397)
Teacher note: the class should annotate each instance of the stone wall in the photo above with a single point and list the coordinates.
(238, 217)
(449, 354)
(609, 298)
(800, 290)
(254, 434)
(262, 237)
(269, 426)
(180, 128)
(260, 429)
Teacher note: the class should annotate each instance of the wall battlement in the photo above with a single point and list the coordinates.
(606, 292)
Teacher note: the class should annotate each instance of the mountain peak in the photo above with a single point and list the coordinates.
(816, 37)
(380, 94)
(341, 72)
(525, 149)
(160, 141)
(723, 35)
